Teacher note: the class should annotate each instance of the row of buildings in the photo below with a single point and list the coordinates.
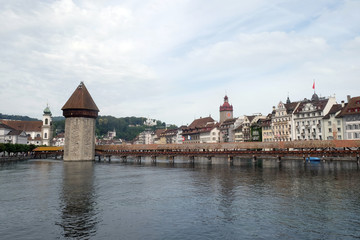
(310, 119)
(27, 132)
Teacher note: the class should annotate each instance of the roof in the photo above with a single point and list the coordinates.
(351, 108)
(47, 110)
(15, 132)
(27, 126)
(318, 104)
(80, 99)
(226, 106)
(334, 109)
(48, 149)
(5, 126)
(201, 122)
(290, 107)
(251, 118)
(158, 132)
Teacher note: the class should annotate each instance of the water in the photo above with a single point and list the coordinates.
(47, 199)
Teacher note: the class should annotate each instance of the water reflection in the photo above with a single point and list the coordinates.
(78, 203)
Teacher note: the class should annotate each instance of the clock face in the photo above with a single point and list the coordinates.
(228, 115)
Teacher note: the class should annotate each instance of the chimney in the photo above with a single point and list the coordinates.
(342, 103)
(348, 98)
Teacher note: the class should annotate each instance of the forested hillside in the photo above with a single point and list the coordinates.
(126, 128)
(17, 117)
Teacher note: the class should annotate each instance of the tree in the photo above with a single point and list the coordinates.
(2, 147)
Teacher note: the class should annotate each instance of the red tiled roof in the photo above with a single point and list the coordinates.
(27, 126)
(351, 108)
(226, 106)
(201, 122)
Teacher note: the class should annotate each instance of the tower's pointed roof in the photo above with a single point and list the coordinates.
(80, 99)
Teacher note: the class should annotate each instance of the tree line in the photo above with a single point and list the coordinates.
(15, 149)
(17, 117)
(126, 128)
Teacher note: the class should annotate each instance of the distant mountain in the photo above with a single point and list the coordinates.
(17, 117)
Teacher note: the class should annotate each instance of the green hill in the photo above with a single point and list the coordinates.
(17, 117)
(126, 128)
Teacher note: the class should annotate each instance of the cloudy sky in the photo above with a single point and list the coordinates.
(174, 60)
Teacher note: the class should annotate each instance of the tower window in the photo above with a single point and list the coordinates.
(46, 121)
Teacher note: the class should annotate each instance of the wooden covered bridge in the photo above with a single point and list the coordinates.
(332, 149)
(349, 149)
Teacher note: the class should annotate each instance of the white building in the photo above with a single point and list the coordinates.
(10, 135)
(282, 120)
(37, 132)
(333, 125)
(308, 118)
(351, 118)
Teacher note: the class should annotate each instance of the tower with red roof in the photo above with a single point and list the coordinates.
(226, 110)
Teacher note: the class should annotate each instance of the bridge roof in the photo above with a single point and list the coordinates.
(80, 99)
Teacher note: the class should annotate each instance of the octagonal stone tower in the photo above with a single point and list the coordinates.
(80, 113)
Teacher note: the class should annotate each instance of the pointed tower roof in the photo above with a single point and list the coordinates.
(80, 104)
(80, 99)
(226, 106)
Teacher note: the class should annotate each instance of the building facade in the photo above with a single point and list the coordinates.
(282, 121)
(191, 134)
(227, 130)
(308, 118)
(333, 125)
(351, 118)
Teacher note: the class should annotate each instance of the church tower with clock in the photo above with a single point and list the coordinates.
(226, 110)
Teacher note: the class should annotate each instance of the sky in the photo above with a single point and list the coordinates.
(175, 60)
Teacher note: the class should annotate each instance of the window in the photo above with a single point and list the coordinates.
(338, 122)
(349, 136)
(329, 123)
(46, 121)
(330, 130)
(356, 135)
(45, 135)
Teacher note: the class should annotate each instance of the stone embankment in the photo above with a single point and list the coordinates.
(15, 158)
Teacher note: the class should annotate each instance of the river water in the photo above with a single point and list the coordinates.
(50, 199)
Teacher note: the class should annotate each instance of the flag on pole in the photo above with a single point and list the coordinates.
(314, 85)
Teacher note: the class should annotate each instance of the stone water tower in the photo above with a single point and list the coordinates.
(80, 113)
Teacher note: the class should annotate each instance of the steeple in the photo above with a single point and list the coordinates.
(288, 100)
(47, 110)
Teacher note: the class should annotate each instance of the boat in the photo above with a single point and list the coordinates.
(313, 159)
